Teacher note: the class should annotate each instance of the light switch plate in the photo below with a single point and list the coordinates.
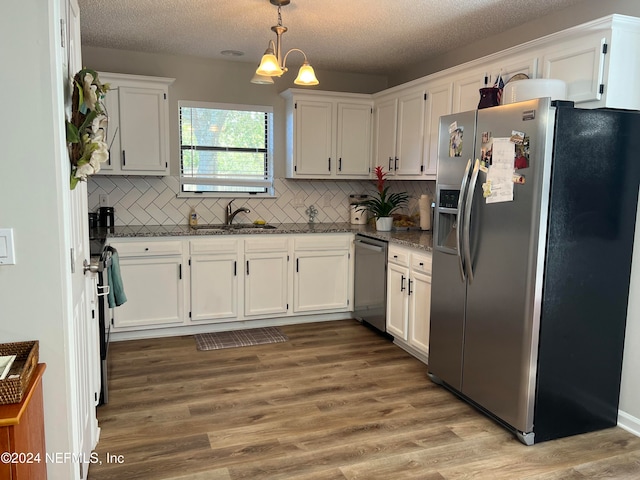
(7, 252)
(104, 200)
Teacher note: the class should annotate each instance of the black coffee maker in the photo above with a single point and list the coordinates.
(106, 218)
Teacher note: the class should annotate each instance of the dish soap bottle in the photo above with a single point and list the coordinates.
(193, 217)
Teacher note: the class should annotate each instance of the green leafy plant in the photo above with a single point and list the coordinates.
(385, 203)
(85, 130)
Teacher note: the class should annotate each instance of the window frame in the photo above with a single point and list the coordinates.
(270, 188)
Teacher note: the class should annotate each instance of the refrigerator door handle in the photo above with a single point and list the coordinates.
(467, 221)
(459, 218)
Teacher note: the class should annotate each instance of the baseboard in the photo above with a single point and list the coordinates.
(423, 357)
(223, 327)
(629, 423)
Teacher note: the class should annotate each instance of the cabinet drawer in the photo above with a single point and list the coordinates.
(323, 242)
(213, 245)
(399, 256)
(145, 249)
(270, 244)
(421, 263)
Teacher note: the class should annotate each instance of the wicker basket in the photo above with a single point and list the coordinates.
(12, 389)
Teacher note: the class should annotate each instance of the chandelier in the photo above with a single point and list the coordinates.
(273, 64)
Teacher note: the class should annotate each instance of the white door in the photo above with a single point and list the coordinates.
(214, 287)
(397, 300)
(321, 281)
(354, 139)
(419, 310)
(83, 358)
(386, 126)
(266, 283)
(314, 138)
(410, 132)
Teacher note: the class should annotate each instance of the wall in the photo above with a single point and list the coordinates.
(152, 200)
(581, 13)
(34, 292)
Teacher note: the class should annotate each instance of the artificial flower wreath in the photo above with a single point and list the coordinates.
(86, 130)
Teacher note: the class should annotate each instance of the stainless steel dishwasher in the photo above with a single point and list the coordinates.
(370, 291)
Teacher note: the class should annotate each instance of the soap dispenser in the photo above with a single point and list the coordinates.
(193, 217)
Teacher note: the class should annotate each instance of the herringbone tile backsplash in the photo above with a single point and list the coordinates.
(153, 200)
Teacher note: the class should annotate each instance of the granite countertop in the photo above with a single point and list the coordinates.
(410, 238)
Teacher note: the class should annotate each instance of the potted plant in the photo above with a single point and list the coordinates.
(384, 204)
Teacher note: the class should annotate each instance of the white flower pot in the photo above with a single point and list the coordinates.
(384, 224)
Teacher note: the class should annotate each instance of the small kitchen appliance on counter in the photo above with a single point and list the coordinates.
(358, 217)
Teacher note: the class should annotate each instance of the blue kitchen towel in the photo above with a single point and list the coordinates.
(116, 294)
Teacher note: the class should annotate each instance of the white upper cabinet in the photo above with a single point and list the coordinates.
(439, 103)
(328, 134)
(598, 63)
(138, 131)
(406, 129)
(399, 129)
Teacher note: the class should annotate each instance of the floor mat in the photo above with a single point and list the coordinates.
(239, 338)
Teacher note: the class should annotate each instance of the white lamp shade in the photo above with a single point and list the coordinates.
(262, 79)
(269, 66)
(306, 76)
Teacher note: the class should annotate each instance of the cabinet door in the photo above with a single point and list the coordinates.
(142, 123)
(266, 283)
(214, 287)
(419, 292)
(111, 104)
(321, 281)
(154, 290)
(581, 65)
(410, 131)
(439, 99)
(466, 91)
(313, 139)
(354, 140)
(385, 132)
(397, 300)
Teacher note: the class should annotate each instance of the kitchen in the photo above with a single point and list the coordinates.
(46, 317)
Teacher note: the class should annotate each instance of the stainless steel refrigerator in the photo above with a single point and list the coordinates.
(533, 238)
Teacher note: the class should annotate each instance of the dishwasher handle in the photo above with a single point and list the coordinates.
(369, 246)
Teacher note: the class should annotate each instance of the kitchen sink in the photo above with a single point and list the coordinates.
(234, 226)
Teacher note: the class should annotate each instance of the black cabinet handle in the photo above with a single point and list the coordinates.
(402, 283)
(396, 164)
(340, 164)
(390, 160)
(329, 163)
(247, 267)
(124, 159)
(297, 265)
(409, 292)
(235, 268)
(180, 271)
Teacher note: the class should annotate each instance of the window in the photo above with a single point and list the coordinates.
(225, 148)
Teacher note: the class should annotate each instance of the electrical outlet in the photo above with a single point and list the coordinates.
(104, 200)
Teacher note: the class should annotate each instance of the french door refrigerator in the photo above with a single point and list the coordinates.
(533, 238)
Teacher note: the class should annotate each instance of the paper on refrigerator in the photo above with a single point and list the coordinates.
(499, 182)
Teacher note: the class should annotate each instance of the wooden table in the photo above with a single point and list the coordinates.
(22, 434)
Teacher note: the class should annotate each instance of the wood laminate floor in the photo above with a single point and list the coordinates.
(336, 401)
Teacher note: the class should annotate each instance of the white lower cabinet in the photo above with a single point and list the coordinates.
(153, 279)
(232, 278)
(409, 299)
(266, 271)
(323, 277)
(214, 279)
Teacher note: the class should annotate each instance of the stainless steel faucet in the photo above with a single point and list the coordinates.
(229, 216)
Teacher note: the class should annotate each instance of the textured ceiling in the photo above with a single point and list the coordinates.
(364, 36)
